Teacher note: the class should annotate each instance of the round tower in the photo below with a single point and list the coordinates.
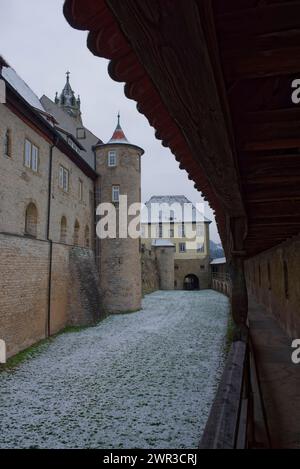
(118, 164)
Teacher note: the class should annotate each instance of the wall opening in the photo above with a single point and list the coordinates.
(31, 220)
(87, 237)
(63, 230)
(191, 282)
(76, 233)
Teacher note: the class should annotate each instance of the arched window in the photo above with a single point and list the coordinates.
(7, 143)
(76, 233)
(31, 220)
(87, 237)
(63, 229)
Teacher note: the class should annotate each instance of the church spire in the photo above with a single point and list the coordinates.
(118, 135)
(67, 100)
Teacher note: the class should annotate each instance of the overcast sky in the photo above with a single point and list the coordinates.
(39, 44)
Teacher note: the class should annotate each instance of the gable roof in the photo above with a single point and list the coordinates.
(69, 125)
(157, 210)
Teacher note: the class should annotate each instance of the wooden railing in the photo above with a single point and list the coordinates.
(231, 423)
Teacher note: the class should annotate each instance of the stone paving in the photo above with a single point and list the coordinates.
(142, 380)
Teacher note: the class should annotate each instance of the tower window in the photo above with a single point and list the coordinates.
(7, 143)
(64, 179)
(115, 194)
(112, 159)
(31, 156)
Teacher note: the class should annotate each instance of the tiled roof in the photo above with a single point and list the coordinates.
(70, 126)
(184, 211)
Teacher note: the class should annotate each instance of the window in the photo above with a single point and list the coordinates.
(171, 232)
(200, 247)
(73, 145)
(182, 247)
(31, 220)
(31, 157)
(7, 143)
(63, 179)
(80, 190)
(63, 229)
(80, 133)
(115, 194)
(199, 229)
(112, 159)
(182, 231)
(160, 230)
(87, 237)
(269, 276)
(76, 233)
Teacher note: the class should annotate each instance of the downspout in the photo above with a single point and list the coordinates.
(48, 324)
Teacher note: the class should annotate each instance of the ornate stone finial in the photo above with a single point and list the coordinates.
(119, 117)
(68, 76)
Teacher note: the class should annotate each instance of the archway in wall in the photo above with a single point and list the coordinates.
(191, 282)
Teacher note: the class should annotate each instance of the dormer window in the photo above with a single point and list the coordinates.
(80, 133)
(112, 159)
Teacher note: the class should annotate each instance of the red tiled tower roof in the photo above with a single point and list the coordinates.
(118, 135)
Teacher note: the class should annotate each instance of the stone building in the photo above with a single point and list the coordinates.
(173, 221)
(53, 270)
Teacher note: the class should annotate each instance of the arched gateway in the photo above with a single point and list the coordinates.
(191, 282)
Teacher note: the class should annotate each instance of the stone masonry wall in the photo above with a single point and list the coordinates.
(200, 268)
(273, 279)
(24, 274)
(150, 273)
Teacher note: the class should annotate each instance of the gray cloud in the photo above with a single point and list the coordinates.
(38, 42)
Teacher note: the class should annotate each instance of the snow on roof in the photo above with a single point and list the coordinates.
(171, 208)
(221, 260)
(163, 243)
(11, 76)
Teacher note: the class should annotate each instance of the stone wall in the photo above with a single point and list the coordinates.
(192, 267)
(24, 293)
(119, 258)
(21, 186)
(165, 262)
(150, 274)
(273, 279)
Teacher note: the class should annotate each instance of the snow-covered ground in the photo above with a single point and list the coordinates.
(143, 380)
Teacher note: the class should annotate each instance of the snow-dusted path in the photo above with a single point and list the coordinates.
(144, 380)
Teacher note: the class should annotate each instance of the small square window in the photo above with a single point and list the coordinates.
(112, 159)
